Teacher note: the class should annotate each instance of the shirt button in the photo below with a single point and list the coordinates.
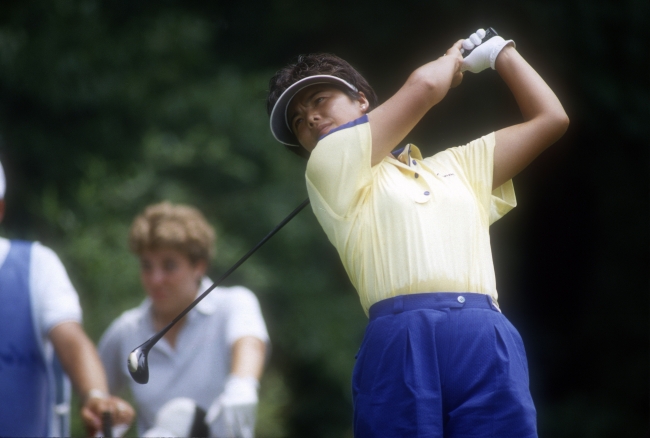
(426, 193)
(417, 176)
(414, 162)
(461, 299)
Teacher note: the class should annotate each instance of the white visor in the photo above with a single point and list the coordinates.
(279, 124)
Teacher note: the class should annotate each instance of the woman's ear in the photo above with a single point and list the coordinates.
(365, 105)
(200, 269)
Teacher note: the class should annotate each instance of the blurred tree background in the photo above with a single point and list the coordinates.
(107, 106)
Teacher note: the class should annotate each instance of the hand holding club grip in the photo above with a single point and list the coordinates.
(481, 49)
(483, 36)
(107, 425)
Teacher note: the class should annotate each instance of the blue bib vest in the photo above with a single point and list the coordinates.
(25, 401)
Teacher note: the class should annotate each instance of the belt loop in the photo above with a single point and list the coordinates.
(398, 304)
(494, 303)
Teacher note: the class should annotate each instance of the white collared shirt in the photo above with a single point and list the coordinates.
(199, 363)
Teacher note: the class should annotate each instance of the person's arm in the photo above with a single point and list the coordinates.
(80, 361)
(425, 87)
(248, 357)
(545, 120)
(234, 411)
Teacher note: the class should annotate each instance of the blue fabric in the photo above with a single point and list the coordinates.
(61, 387)
(360, 121)
(25, 401)
(441, 365)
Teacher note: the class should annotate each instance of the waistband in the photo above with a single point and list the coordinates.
(432, 300)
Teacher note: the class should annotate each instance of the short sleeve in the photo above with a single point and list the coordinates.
(55, 299)
(502, 200)
(339, 167)
(245, 316)
(477, 162)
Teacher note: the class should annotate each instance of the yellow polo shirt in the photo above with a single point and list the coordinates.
(408, 225)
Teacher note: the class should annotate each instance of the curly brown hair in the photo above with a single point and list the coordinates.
(176, 226)
(318, 64)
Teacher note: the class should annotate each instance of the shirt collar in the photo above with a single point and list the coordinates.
(407, 154)
(207, 306)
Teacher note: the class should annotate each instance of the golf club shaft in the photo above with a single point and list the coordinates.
(107, 425)
(155, 338)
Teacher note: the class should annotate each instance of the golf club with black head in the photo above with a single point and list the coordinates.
(137, 362)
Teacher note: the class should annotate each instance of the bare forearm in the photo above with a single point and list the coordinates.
(545, 120)
(79, 358)
(248, 356)
(534, 97)
(391, 122)
(80, 361)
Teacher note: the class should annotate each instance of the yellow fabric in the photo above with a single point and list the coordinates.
(408, 225)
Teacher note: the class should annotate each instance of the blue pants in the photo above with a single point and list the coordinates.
(441, 365)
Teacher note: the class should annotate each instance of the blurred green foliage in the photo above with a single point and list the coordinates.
(108, 106)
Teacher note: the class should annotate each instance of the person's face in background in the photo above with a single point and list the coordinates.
(170, 280)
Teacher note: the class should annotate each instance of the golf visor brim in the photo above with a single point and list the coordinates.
(279, 123)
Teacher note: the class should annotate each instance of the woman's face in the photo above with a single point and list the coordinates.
(170, 279)
(316, 110)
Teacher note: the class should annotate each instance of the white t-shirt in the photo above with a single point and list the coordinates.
(54, 299)
(200, 362)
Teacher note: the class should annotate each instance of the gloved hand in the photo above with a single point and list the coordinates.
(233, 413)
(484, 54)
(179, 417)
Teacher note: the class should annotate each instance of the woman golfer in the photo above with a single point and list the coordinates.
(438, 357)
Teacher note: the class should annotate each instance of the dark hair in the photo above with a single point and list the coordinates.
(318, 64)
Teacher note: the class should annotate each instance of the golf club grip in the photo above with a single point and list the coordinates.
(107, 425)
(489, 33)
(277, 228)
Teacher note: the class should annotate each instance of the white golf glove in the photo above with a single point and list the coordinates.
(232, 414)
(484, 54)
(117, 431)
(176, 418)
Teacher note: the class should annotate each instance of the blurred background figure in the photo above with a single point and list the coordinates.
(42, 342)
(179, 417)
(215, 355)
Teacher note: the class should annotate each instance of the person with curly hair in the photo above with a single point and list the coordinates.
(213, 358)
